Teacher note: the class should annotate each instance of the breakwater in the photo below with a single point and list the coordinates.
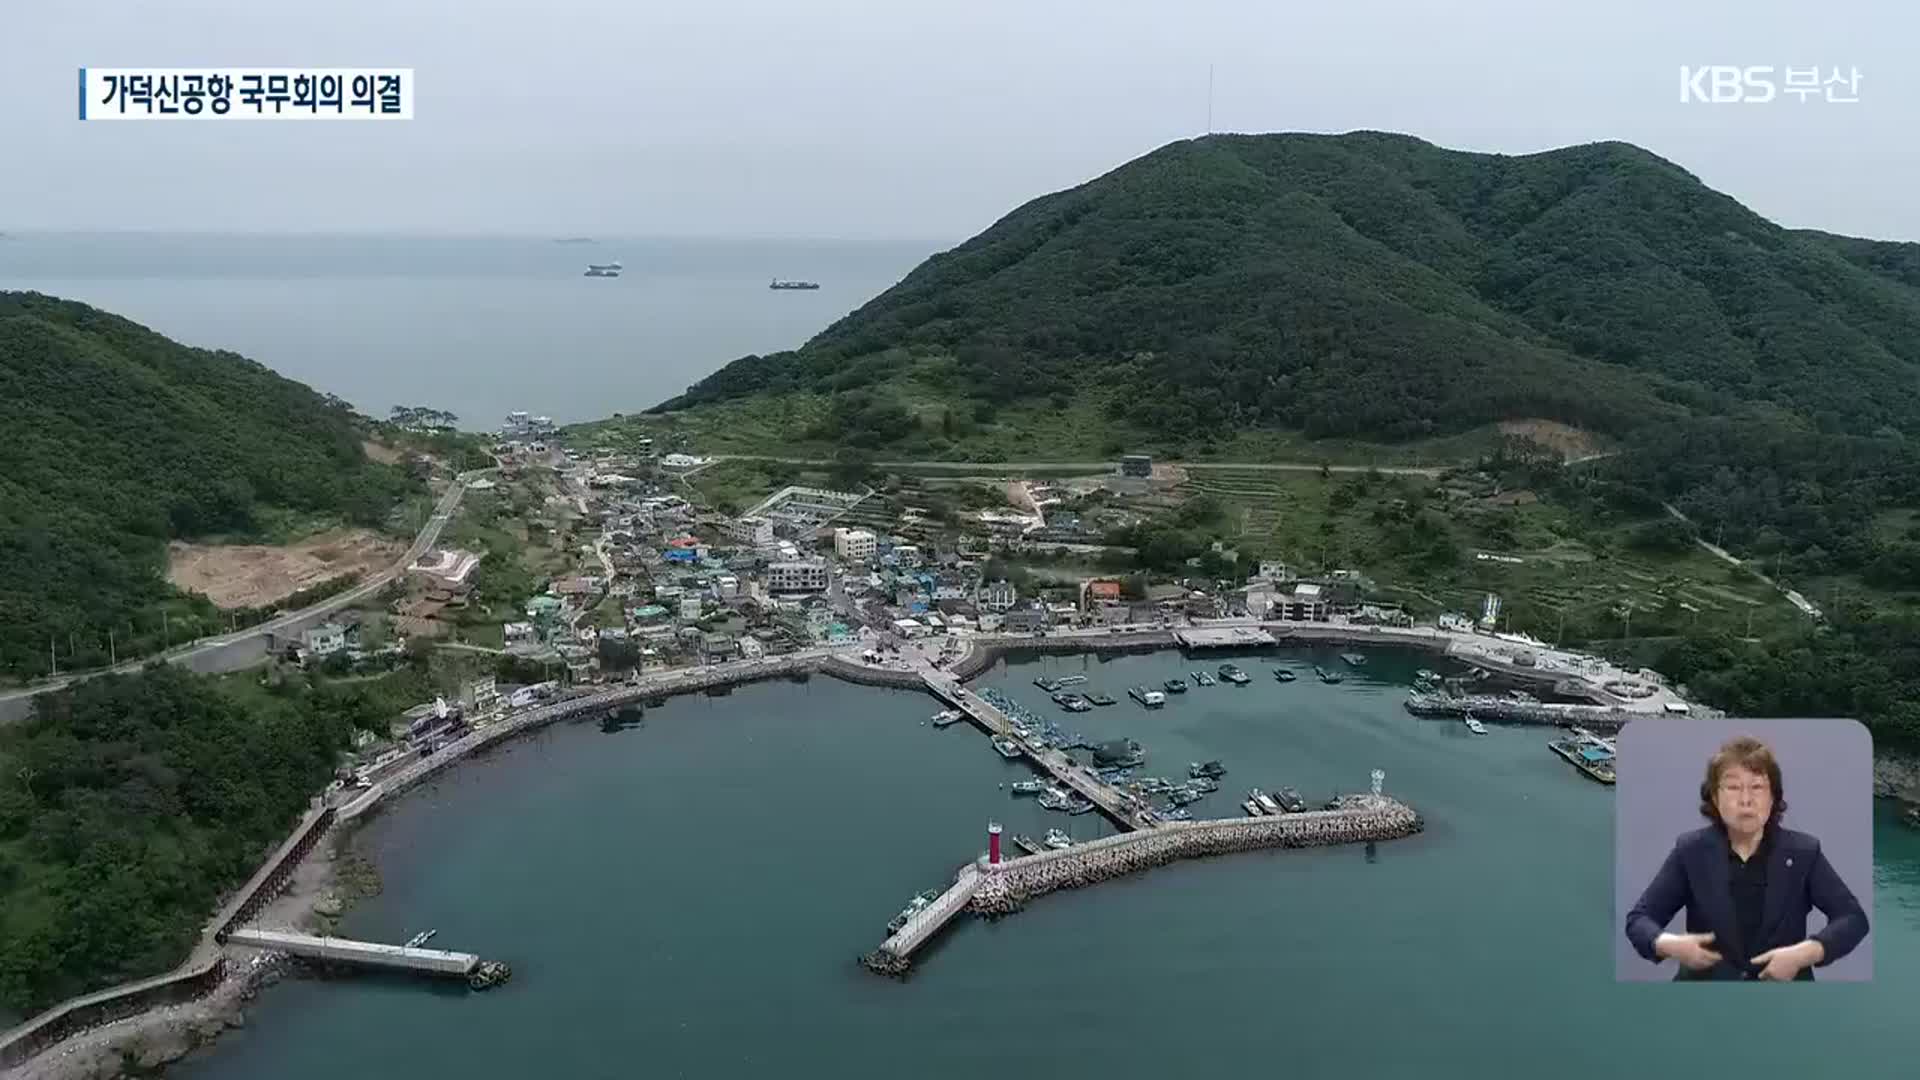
(1509, 711)
(985, 652)
(995, 889)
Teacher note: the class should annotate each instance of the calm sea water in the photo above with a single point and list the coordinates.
(478, 326)
(688, 897)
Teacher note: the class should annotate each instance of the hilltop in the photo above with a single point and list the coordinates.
(1362, 286)
(121, 440)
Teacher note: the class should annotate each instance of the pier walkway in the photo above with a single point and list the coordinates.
(1122, 808)
(360, 953)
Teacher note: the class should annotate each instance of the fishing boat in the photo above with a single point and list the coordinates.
(1201, 678)
(1327, 676)
(1204, 784)
(1181, 796)
(1175, 685)
(1353, 659)
(1475, 725)
(1211, 770)
(1152, 699)
(1026, 844)
(1027, 787)
(1046, 684)
(1233, 674)
(1055, 798)
(914, 907)
(1284, 674)
(421, 938)
(1100, 699)
(1008, 748)
(948, 716)
(1289, 800)
(1253, 809)
(1058, 838)
(1177, 815)
(1069, 680)
(1264, 801)
(1079, 805)
(1425, 676)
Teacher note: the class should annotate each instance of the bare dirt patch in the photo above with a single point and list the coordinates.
(253, 575)
(385, 455)
(1569, 442)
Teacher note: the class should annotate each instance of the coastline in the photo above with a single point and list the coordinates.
(327, 879)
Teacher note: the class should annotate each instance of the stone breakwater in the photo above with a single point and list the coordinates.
(1004, 889)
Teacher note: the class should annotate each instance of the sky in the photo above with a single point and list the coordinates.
(909, 119)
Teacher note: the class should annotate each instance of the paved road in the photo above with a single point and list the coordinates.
(1039, 466)
(230, 651)
(1806, 606)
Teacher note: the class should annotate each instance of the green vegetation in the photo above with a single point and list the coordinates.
(122, 440)
(129, 804)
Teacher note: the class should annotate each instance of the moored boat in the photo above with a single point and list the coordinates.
(1152, 699)
(1008, 748)
(914, 907)
(1233, 674)
(1175, 685)
(1289, 800)
(1284, 674)
(1058, 838)
(1027, 787)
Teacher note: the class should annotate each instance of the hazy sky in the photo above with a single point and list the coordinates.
(908, 119)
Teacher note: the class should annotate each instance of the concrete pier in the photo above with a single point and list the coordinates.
(1002, 888)
(359, 953)
(1125, 810)
(1223, 637)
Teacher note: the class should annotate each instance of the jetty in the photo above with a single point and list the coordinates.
(1507, 710)
(367, 954)
(1126, 810)
(992, 887)
(1224, 637)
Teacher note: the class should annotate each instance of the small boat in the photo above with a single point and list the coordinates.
(1327, 676)
(1425, 676)
(1008, 748)
(1181, 796)
(1177, 815)
(1289, 800)
(1026, 844)
(1211, 770)
(914, 907)
(1233, 674)
(1046, 684)
(1253, 809)
(1055, 798)
(1152, 699)
(1080, 805)
(1595, 761)
(1475, 726)
(948, 716)
(1069, 680)
(1058, 838)
(1201, 678)
(1284, 674)
(1100, 699)
(779, 284)
(1264, 801)
(1353, 659)
(1204, 784)
(420, 938)
(1175, 685)
(1027, 787)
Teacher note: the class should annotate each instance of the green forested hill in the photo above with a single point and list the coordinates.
(1376, 286)
(118, 440)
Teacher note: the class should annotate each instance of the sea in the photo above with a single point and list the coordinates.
(478, 326)
(687, 897)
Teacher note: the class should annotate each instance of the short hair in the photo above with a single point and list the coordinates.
(1752, 755)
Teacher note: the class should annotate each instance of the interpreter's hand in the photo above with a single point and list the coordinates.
(1787, 961)
(1689, 949)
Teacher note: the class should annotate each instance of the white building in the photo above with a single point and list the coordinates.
(1001, 595)
(751, 649)
(517, 633)
(908, 554)
(689, 608)
(755, 531)
(324, 640)
(853, 544)
(481, 703)
(726, 586)
(1273, 570)
(801, 575)
(908, 628)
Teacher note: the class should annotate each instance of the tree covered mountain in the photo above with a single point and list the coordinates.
(1375, 286)
(120, 440)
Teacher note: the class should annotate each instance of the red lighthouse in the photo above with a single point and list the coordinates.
(993, 843)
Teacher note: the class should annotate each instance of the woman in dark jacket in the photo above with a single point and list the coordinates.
(1747, 884)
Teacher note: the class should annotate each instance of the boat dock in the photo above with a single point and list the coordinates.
(1507, 710)
(1224, 637)
(896, 952)
(458, 965)
(1125, 810)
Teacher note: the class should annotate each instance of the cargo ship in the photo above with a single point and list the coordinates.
(779, 284)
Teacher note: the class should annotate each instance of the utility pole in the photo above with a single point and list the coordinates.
(166, 632)
(53, 661)
(113, 655)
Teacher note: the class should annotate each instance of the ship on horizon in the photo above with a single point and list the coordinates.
(778, 283)
(611, 269)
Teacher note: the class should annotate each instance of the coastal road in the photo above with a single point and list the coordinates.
(1041, 466)
(230, 652)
